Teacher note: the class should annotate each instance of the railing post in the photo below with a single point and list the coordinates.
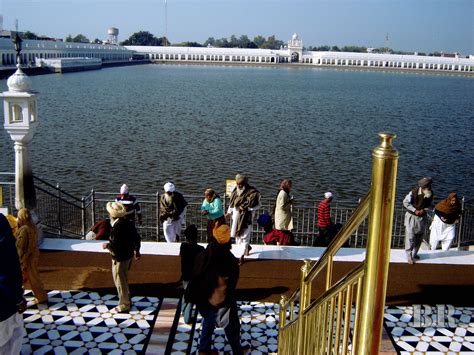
(382, 201)
(93, 207)
(282, 320)
(305, 299)
(83, 215)
(60, 223)
(157, 216)
(460, 223)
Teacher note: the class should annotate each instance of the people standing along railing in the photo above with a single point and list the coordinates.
(64, 214)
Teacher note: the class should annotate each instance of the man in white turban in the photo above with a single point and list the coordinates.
(172, 212)
(244, 201)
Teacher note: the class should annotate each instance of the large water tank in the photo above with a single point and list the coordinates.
(113, 35)
(113, 31)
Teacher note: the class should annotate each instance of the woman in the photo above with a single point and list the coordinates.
(26, 245)
(283, 217)
(443, 228)
(214, 211)
(284, 202)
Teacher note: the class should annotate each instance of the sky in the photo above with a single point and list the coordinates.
(411, 25)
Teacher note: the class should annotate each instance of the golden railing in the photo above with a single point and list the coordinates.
(347, 316)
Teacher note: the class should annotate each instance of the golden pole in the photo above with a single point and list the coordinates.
(305, 299)
(384, 176)
(282, 321)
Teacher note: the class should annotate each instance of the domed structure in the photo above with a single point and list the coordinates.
(295, 37)
(19, 81)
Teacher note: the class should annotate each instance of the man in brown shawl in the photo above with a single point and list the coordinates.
(416, 203)
(443, 228)
(244, 200)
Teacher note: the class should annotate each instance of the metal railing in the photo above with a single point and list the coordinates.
(64, 214)
(347, 317)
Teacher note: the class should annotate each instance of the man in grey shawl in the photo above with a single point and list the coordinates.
(416, 203)
(244, 200)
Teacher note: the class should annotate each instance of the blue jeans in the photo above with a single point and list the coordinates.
(232, 330)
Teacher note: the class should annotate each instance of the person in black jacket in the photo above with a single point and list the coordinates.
(124, 243)
(212, 288)
(188, 252)
(12, 303)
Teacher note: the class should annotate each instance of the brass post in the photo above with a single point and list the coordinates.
(282, 321)
(305, 298)
(384, 175)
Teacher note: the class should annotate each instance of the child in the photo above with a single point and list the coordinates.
(188, 251)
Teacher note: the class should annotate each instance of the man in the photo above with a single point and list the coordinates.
(12, 303)
(324, 221)
(212, 289)
(132, 207)
(124, 243)
(244, 200)
(417, 203)
(172, 212)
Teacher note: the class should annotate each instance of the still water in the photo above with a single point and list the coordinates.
(198, 125)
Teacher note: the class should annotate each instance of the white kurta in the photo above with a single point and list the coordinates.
(441, 232)
(172, 229)
(243, 240)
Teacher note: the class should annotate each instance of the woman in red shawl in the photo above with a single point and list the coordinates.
(443, 228)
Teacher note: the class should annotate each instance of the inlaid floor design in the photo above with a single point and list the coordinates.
(259, 329)
(77, 322)
(423, 329)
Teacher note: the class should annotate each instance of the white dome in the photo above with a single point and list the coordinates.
(19, 81)
(295, 37)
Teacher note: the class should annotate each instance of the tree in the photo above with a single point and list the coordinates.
(29, 35)
(272, 43)
(97, 41)
(211, 41)
(144, 38)
(335, 49)
(188, 44)
(68, 38)
(259, 40)
(356, 49)
(233, 42)
(80, 38)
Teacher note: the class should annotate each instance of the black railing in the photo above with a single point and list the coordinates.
(65, 215)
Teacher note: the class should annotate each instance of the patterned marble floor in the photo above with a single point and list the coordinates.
(76, 322)
(259, 329)
(424, 329)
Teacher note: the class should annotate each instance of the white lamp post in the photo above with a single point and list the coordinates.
(20, 111)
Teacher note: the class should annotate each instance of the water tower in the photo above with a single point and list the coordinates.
(113, 35)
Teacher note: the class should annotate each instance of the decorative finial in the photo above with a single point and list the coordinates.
(19, 81)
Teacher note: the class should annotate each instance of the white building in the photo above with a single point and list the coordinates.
(294, 53)
(32, 49)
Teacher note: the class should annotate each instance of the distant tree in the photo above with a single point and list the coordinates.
(97, 41)
(335, 49)
(233, 42)
(322, 48)
(188, 44)
(211, 41)
(29, 35)
(80, 38)
(272, 43)
(144, 38)
(435, 54)
(356, 49)
(245, 42)
(68, 38)
(259, 40)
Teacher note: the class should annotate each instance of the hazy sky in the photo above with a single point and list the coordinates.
(412, 25)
